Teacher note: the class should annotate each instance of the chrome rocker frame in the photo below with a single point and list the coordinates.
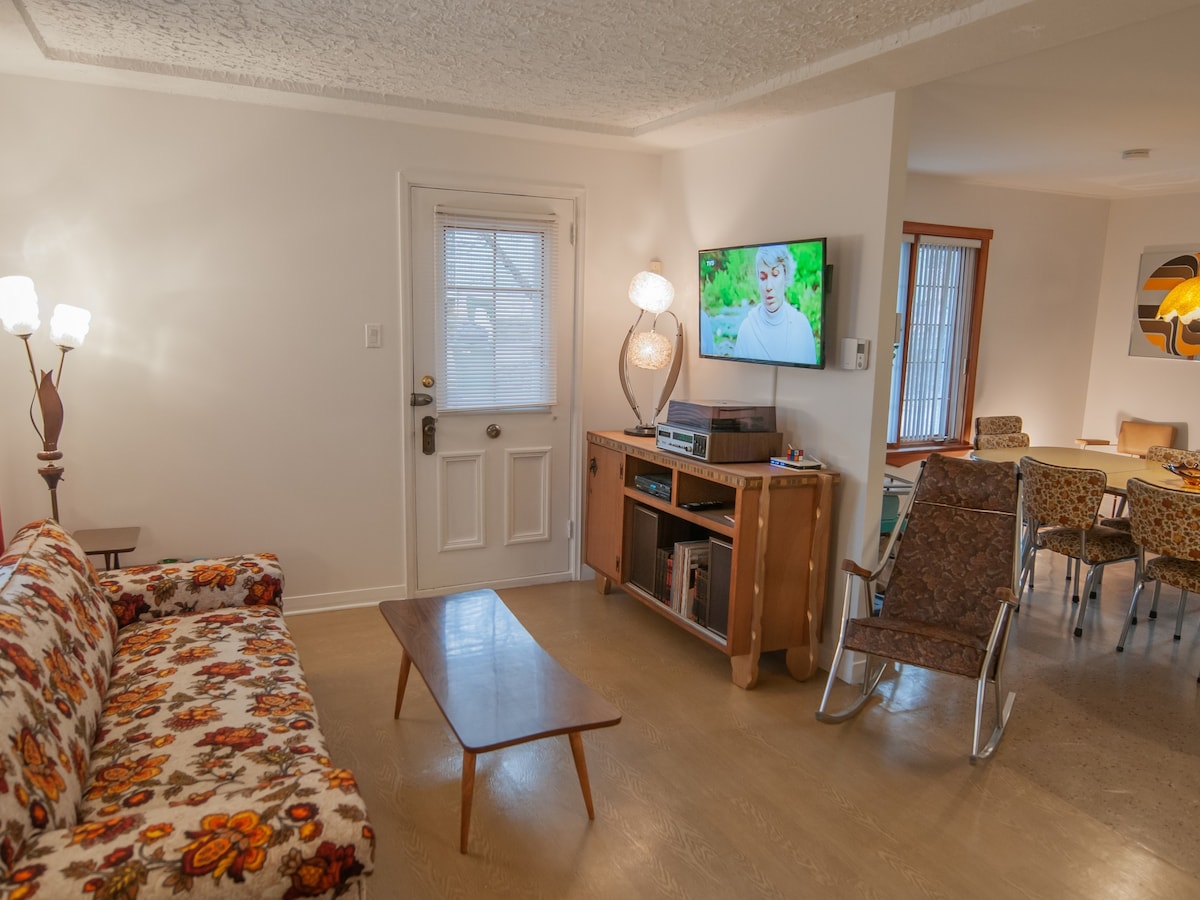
(990, 669)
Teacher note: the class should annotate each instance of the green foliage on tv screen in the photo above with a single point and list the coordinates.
(729, 286)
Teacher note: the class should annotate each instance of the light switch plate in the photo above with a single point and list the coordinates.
(374, 335)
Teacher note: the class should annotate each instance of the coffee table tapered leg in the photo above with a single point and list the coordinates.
(581, 768)
(405, 665)
(468, 792)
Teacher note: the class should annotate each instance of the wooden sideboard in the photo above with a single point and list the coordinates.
(777, 522)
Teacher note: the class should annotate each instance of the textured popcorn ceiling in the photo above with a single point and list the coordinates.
(1038, 94)
(618, 66)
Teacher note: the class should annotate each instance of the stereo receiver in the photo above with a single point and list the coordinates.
(719, 446)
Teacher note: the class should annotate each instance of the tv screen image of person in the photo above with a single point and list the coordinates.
(764, 303)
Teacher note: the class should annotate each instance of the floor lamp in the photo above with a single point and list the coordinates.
(68, 327)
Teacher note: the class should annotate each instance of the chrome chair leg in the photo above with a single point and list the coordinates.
(1154, 606)
(1179, 615)
(1131, 618)
(1089, 582)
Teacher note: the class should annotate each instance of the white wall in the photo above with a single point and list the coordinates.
(838, 174)
(230, 254)
(1129, 387)
(1039, 309)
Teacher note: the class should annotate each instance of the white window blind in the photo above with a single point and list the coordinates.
(495, 274)
(936, 323)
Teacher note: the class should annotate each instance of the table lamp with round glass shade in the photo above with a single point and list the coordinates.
(1182, 303)
(652, 295)
(68, 328)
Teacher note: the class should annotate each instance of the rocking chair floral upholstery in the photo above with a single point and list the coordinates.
(951, 592)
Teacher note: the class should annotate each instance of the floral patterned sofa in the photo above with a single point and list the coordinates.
(157, 737)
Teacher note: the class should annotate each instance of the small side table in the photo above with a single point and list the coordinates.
(108, 542)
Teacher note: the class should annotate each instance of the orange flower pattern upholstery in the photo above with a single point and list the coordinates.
(150, 592)
(56, 644)
(191, 762)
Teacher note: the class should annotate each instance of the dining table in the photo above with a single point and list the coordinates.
(1117, 467)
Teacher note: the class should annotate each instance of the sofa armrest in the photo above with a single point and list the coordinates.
(151, 592)
(303, 836)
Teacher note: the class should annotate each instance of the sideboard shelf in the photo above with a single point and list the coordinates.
(775, 522)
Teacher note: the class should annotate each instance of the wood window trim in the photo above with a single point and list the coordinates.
(910, 452)
(903, 455)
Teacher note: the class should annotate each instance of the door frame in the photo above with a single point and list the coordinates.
(417, 178)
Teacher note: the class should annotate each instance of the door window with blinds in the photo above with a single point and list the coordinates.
(494, 311)
(938, 313)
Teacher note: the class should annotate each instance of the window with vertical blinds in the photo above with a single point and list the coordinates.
(495, 274)
(938, 313)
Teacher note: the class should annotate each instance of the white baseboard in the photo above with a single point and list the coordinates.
(312, 603)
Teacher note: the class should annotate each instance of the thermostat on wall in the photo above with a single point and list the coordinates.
(854, 353)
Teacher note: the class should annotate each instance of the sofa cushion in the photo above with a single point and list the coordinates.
(56, 642)
(201, 707)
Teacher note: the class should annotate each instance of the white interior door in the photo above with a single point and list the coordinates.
(491, 467)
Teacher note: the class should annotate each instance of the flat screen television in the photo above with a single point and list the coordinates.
(764, 303)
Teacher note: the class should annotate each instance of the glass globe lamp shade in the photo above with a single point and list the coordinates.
(18, 305)
(69, 326)
(649, 350)
(651, 292)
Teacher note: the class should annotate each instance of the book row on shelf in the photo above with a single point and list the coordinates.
(681, 581)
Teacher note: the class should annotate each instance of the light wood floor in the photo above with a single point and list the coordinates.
(708, 791)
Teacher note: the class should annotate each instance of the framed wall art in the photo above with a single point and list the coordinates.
(1166, 323)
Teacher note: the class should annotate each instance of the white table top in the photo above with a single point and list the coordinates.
(1117, 467)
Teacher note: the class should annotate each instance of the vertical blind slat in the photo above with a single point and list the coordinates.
(938, 319)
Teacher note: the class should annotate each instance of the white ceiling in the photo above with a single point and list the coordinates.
(1043, 94)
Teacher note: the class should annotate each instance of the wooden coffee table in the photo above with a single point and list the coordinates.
(493, 682)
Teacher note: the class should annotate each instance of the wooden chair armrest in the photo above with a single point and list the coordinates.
(849, 565)
(1006, 595)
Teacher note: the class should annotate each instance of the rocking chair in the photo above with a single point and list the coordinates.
(949, 598)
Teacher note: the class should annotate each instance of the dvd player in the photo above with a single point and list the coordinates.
(658, 485)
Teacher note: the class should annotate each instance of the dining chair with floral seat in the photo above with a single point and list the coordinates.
(1165, 521)
(1061, 503)
(998, 432)
(1166, 456)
